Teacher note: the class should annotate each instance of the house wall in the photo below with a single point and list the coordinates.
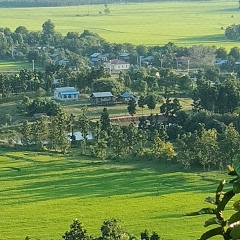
(118, 67)
(102, 100)
(65, 97)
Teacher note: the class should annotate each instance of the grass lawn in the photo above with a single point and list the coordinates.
(41, 194)
(94, 112)
(14, 66)
(183, 23)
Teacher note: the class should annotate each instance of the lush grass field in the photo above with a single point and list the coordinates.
(14, 66)
(42, 194)
(183, 23)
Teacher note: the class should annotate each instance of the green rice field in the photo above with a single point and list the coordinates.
(41, 194)
(183, 23)
(12, 66)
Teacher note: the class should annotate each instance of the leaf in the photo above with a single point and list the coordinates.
(211, 221)
(236, 205)
(234, 218)
(227, 196)
(236, 187)
(212, 232)
(236, 164)
(219, 190)
(235, 232)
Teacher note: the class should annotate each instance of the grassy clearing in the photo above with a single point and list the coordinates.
(12, 66)
(41, 194)
(183, 23)
(94, 112)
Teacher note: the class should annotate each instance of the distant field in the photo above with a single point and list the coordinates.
(183, 23)
(12, 66)
(42, 194)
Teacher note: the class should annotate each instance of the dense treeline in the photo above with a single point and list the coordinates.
(55, 3)
(48, 46)
(166, 76)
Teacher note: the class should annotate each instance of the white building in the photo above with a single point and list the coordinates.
(116, 65)
(66, 93)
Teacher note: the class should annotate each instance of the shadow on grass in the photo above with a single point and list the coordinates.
(205, 39)
(61, 176)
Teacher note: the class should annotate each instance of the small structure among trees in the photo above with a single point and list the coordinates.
(66, 93)
(102, 98)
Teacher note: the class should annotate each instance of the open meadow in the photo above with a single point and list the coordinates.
(41, 194)
(183, 23)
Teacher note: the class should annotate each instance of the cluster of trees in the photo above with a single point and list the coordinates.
(22, 44)
(206, 139)
(110, 230)
(217, 96)
(232, 32)
(31, 81)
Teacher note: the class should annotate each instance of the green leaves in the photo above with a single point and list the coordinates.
(211, 221)
(236, 187)
(212, 233)
(236, 164)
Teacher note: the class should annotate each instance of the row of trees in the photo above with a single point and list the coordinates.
(110, 230)
(23, 44)
(220, 97)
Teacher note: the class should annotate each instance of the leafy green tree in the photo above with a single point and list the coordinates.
(132, 106)
(71, 121)
(141, 102)
(229, 145)
(162, 150)
(106, 85)
(170, 109)
(154, 236)
(208, 148)
(111, 230)
(187, 145)
(105, 120)
(151, 101)
(39, 131)
(76, 232)
(25, 131)
(48, 31)
(83, 125)
(228, 96)
(131, 137)
(100, 145)
(117, 141)
(58, 132)
(162, 133)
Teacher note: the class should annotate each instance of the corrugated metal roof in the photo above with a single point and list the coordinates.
(94, 55)
(67, 90)
(102, 94)
(126, 95)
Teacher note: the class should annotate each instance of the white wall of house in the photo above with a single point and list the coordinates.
(65, 94)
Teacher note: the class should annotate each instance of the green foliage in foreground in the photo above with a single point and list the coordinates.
(228, 228)
(183, 23)
(42, 193)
